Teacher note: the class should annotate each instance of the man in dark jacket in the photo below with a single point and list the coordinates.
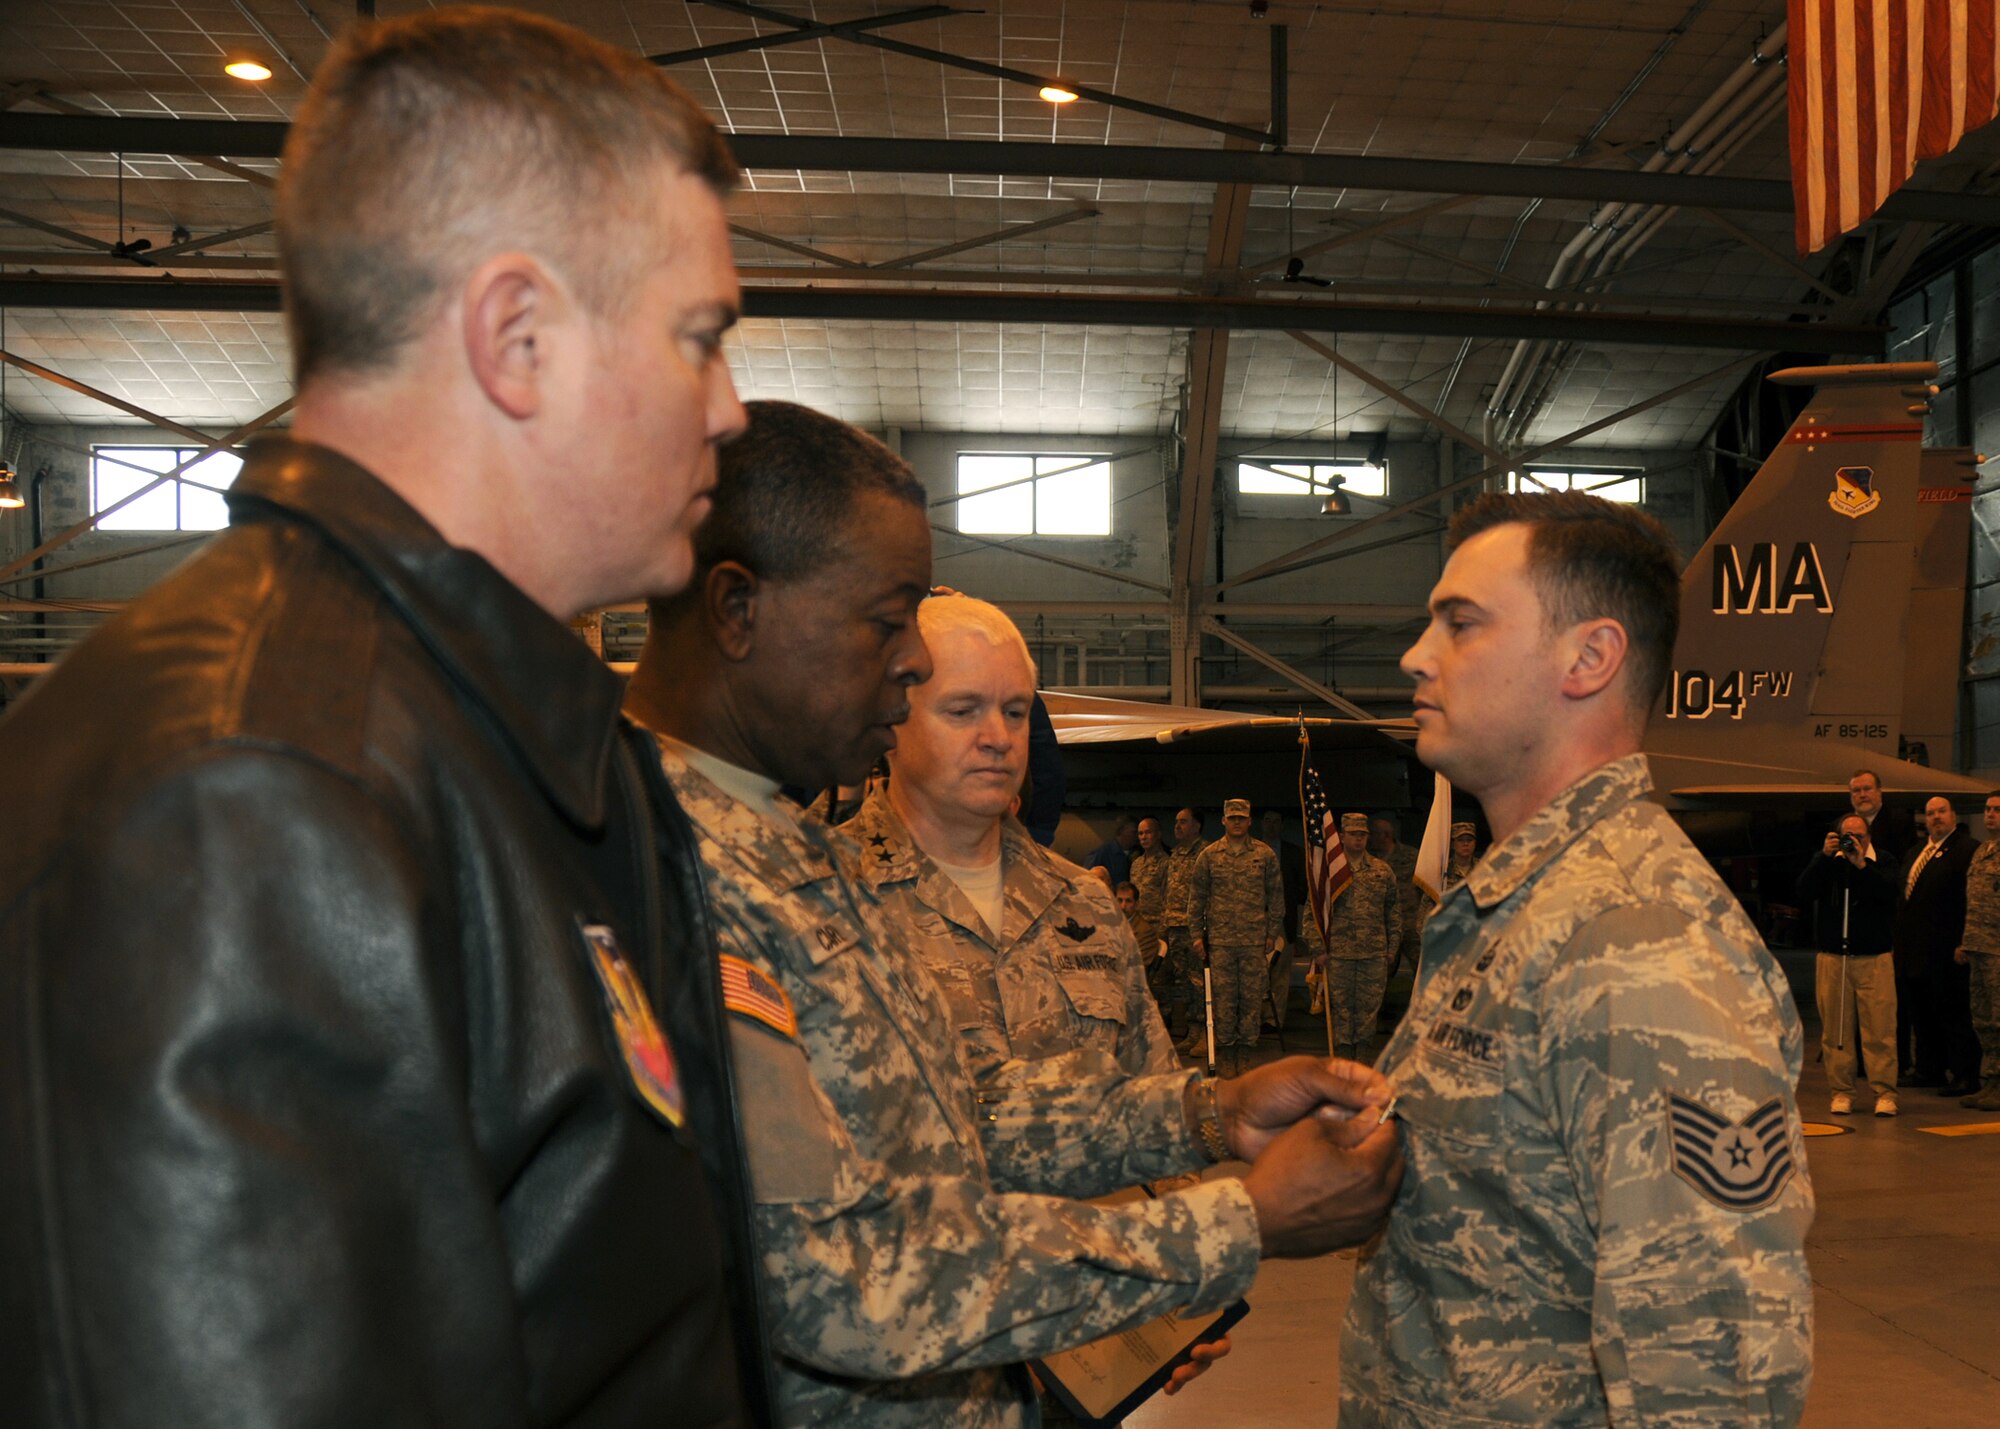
(365, 1060)
(1930, 916)
(1853, 897)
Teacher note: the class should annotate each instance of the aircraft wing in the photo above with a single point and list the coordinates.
(1095, 720)
(1796, 773)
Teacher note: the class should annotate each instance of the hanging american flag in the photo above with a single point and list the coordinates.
(1327, 870)
(1876, 85)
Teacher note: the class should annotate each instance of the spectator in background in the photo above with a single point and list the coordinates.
(1853, 897)
(1187, 1011)
(1402, 861)
(1364, 927)
(1930, 920)
(1235, 913)
(1891, 837)
(1114, 855)
(1979, 950)
(1292, 888)
(1464, 852)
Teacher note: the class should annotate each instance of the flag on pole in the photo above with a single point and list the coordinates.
(1875, 87)
(1327, 870)
(1434, 853)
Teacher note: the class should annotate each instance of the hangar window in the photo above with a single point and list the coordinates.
(1034, 494)
(1608, 482)
(1280, 476)
(117, 472)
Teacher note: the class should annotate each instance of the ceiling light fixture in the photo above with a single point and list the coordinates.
(1058, 94)
(247, 69)
(1337, 503)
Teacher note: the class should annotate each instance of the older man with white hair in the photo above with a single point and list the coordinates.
(1030, 950)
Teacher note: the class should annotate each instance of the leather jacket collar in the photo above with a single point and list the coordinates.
(552, 700)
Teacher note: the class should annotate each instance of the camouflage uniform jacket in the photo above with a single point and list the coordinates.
(1180, 880)
(1402, 861)
(1982, 900)
(1061, 976)
(1236, 897)
(1367, 920)
(1150, 876)
(896, 1280)
(1604, 1210)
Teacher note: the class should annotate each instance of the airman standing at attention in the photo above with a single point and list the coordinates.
(1402, 860)
(1606, 1211)
(1364, 929)
(1149, 880)
(1186, 1012)
(1236, 917)
(1980, 947)
(1464, 852)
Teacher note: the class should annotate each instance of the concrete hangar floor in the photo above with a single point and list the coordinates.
(1905, 1252)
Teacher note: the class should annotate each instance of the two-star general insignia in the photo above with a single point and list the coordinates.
(1076, 932)
(1739, 1165)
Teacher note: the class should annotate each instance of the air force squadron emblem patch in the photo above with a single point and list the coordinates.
(647, 1056)
(1853, 491)
(1739, 1165)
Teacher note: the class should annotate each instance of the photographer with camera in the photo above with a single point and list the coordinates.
(1853, 897)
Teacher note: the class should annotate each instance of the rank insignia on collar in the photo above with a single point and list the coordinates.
(1739, 1165)
(1076, 932)
(647, 1056)
(749, 990)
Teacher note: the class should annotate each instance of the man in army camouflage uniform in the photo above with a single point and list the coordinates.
(1402, 860)
(903, 1271)
(1605, 1216)
(1363, 929)
(1186, 1011)
(1980, 947)
(1236, 918)
(1149, 880)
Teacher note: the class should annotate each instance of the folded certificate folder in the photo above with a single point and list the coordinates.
(1105, 1380)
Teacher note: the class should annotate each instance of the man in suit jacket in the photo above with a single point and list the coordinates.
(1930, 915)
(1890, 834)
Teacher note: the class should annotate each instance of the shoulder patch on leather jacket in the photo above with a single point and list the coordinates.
(647, 1056)
(756, 994)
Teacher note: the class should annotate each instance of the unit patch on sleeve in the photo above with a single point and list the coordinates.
(647, 1056)
(1739, 1165)
(756, 994)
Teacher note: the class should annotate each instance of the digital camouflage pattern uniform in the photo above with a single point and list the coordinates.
(1363, 927)
(1605, 1201)
(902, 1269)
(1062, 976)
(1186, 1007)
(1982, 946)
(1236, 902)
(1149, 877)
(1402, 861)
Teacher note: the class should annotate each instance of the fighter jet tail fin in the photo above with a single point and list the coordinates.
(1829, 601)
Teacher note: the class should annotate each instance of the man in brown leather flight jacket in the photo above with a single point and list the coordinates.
(363, 1050)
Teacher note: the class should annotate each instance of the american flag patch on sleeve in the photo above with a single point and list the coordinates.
(756, 994)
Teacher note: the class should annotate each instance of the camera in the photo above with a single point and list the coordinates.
(1848, 844)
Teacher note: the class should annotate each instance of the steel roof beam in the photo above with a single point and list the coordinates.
(254, 138)
(1094, 310)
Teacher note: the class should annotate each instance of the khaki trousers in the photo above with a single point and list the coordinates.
(1857, 1014)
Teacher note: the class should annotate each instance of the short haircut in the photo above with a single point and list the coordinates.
(1592, 559)
(1993, 793)
(787, 488)
(1200, 819)
(1127, 887)
(428, 144)
(1865, 774)
(943, 614)
(1857, 819)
